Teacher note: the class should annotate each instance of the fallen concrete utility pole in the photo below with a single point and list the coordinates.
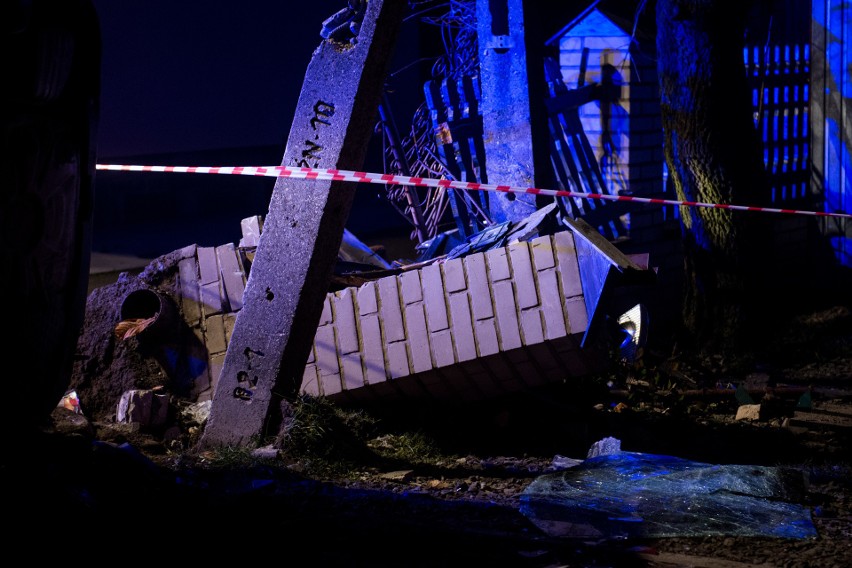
(303, 230)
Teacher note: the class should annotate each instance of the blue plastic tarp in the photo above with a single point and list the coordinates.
(629, 494)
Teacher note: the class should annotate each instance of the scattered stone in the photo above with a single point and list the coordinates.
(266, 452)
(147, 407)
(198, 412)
(400, 475)
(562, 462)
(605, 447)
(67, 421)
(748, 412)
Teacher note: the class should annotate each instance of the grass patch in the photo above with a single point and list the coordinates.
(414, 448)
(328, 440)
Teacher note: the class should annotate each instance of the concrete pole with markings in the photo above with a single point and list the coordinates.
(303, 229)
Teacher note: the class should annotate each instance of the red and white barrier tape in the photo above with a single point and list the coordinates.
(393, 179)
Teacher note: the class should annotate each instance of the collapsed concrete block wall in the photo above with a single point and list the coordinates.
(500, 321)
(494, 322)
(210, 288)
(482, 325)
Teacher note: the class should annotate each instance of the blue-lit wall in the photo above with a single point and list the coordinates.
(831, 123)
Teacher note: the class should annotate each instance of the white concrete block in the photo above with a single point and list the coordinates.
(353, 374)
(507, 315)
(343, 306)
(551, 304)
(569, 268)
(190, 291)
(398, 360)
(454, 279)
(214, 334)
(251, 228)
(208, 266)
(532, 326)
(367, 302)
(233, 277)
(373, 351)
(409, 283)
(433, 297)
(418, 338)
(212, 298)
(497, 261)
(523, 275)
(478, 288)
(542, 252)
(462, 327)
(486, 337)
(330, 383)
(326, 350)
(390, 310)
(575, 311)
(443, 354)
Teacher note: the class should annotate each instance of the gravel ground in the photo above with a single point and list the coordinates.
(456, 503)
(443, 486)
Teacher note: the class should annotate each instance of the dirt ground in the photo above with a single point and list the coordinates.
(419, 485)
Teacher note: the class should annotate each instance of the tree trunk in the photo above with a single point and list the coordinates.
(714, 156)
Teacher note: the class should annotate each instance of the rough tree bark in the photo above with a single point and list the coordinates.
(713, 155)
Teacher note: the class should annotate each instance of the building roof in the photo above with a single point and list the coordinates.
(608, 18)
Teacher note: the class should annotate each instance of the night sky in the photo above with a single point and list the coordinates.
(204, 83)
(193, 75)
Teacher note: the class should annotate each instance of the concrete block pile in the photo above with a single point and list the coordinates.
(469, 328)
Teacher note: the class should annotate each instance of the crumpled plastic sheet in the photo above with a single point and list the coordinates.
(635, 495)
